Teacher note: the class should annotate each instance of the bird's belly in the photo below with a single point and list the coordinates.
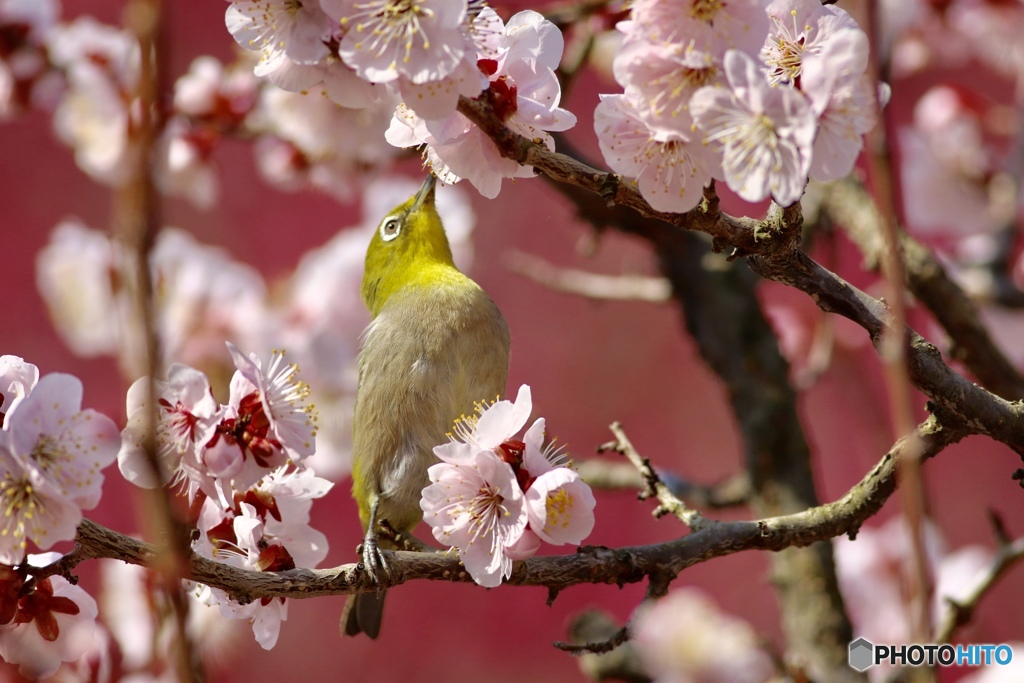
(443, 379)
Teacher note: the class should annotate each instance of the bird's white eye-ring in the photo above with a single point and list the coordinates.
(390, 228)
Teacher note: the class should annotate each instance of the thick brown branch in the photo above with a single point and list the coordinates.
(738, 233)
(773, 255)
(590, 564)
(980, 410)
(848, 203)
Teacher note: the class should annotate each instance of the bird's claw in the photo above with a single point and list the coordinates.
(374, 562)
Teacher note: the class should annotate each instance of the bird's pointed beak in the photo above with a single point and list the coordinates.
(426, 193)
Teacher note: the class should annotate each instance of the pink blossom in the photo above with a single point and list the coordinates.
(496, 423)
(186, 416)
(265, 529)
(420, 40)
(293, 492)
(440, 41)
(37, 16)
(73, 273)
(204, 297)
(307, 140)
(54, 623)
(526, 547)
(208, 100)
(842, 96)
(668, 168)
(990, 31)
(474, 503)
(236, 538)
(946, 165)
(279, 29)
(284, 399)
(559, 504)
(872, 571)
(209, 91)
(68, 446)
(268, 422)
(183, 167)
(800, 29)
(17, 378)
(524, 92)
(336, 79)
(126, 602)
(26, 75)
(101, 65)
(686, 637)
(764, 133)
(710, 27)
(660, 78)
(35, 507)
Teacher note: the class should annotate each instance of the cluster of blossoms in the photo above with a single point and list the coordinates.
(264, 528)
(871, 573)
(495, 497)
(243, 462)
(761, 95)
(52, 456)
(240, 465)
(421, 55)
(87, 72)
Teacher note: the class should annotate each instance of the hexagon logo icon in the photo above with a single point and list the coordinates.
(861, 654)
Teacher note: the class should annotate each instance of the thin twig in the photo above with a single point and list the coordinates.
(591, 630)
(611, 475)
(597, 647)
(590, 285)
(960, 612)
(668, 503)
(139, 218)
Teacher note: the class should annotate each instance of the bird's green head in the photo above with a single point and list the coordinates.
(409, 248)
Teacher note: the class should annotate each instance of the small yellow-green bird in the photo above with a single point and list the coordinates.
(436, 346)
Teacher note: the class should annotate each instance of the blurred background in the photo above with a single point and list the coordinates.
(589, 363)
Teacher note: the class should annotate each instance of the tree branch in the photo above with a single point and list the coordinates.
(770, 246)
(590, 564)
(668, 503)
(611, 475)
(960, 612)
(590, 285)
(848, 203)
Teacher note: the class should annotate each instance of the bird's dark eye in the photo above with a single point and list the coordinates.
(389, 229)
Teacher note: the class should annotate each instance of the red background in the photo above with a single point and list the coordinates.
(589, 363)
